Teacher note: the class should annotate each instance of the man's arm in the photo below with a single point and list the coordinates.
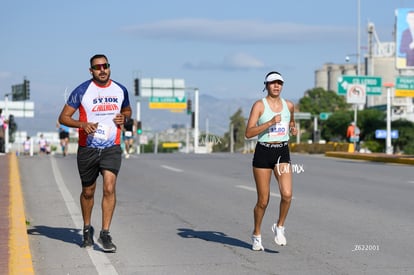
(65, 118)
(125, 113)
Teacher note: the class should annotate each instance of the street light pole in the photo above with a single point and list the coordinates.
(196, 117)
(388, 146)
(359, 38)
(358, 72)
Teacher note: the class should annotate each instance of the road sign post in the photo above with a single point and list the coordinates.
(370, 85)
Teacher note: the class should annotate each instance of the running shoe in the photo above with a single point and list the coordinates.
(106, 241)
(88, 236)
(257, 243)
(279, 232)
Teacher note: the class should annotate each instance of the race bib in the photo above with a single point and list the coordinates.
(128, 133)
(279, 130)
(102, 132)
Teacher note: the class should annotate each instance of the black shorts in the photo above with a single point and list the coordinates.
(91, 162)
(267, 155)
(63, 135)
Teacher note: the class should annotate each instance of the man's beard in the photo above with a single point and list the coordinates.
(100, 81)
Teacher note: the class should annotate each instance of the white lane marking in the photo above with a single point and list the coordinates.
(272, 194)
(171, 168)
(99, 259)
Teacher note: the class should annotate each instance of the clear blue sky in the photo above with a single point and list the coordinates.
(222, 47)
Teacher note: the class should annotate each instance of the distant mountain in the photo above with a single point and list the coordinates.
(214, 113)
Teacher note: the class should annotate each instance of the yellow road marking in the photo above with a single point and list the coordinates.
(20, 258)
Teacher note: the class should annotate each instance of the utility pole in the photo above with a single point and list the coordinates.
(196, 119)
(388, 146)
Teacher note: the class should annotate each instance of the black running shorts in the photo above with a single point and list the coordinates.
(63, 135)
(91, 162)
(267, 155)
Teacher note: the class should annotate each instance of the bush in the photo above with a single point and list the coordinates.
(373, 146)
(409, 149)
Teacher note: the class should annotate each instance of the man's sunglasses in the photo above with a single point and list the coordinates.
(100, 66)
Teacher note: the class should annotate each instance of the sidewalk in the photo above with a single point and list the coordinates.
(14, 246)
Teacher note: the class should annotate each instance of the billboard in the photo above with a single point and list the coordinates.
(404, 38)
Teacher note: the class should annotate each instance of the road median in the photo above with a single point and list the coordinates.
(376, 157)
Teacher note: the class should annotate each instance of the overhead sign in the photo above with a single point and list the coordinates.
(356, 94)
(18, 108)
(373, 84)
(21, 92)
(162, 87)
(382, 134)
(404, 86)
(302, 115)
(167, 103)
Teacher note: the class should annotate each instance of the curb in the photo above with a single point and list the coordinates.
(20, 257)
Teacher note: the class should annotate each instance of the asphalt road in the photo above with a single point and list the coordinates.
(193, 214)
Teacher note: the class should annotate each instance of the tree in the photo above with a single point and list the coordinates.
(370, 120)
(334, 128)
(318, 100)
(239, 127)
(405, 140)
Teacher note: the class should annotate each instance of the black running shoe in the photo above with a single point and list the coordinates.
(106, 241)
(87, 236)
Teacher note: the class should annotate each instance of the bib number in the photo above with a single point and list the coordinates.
(102, 132)
(279, 130)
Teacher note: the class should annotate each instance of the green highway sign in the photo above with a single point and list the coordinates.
(373, 84)
(404, 86)
(324, 116)
(166, 99)
(158, 102)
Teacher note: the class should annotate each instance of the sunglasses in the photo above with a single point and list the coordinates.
(100, 66)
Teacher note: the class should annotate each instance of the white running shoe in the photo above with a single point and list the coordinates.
(257, 243)
(279, 232)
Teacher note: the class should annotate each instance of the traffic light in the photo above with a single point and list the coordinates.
(139, 127)
(189, 107)
(12, 125)
(136, 86)
(26, 88)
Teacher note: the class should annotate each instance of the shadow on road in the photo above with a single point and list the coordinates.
(215, 236)
(64, 234)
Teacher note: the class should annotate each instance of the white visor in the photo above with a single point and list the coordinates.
(273, 77)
